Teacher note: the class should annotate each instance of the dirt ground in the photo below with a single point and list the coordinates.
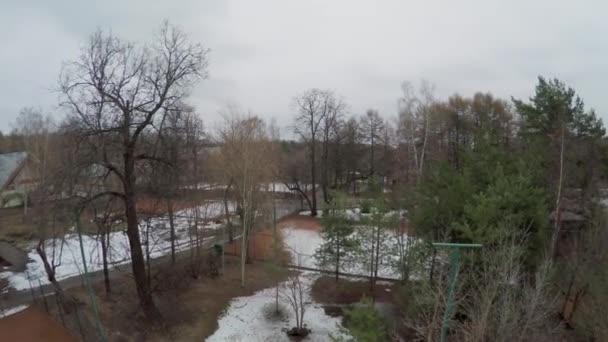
(301, 221)
(347, 291)
(190, 307)
(33, 325)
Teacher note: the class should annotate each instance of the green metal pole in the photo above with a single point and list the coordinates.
(102, 335)
(454, 266)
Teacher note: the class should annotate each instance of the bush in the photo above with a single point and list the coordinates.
(363, 323)
(366, 206)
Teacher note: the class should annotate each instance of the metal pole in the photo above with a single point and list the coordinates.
(454, 266)
(455, 263)
(102, 335)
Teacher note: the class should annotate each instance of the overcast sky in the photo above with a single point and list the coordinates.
(264, 52)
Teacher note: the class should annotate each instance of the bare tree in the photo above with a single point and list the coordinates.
(294, 292)
(196, 239)
(352, 150)
(116, 92)
(585, 271)
(246, 161)
(504, 305)
(329, 126)
(372, 126)
(425, 309)
(313, 107)
(105, 220)
(36, 130)
(294, 176)
(55, 243)
(374, 236)
(414, 117)
(168, 177)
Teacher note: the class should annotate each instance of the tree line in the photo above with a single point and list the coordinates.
(518, 176)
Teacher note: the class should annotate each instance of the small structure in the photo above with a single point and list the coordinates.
(16, 179)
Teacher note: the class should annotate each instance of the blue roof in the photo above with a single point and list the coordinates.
(9, 163)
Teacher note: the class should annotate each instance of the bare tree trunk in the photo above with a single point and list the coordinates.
(172, 228)
(432, 271)
(371, 268)
(558, 200)
(313, 172)
(50, 273)
(302, 194)
(372, 170)
(275, 236)
(243, 257)
(423, 149)
(325, 176)
(227, 212)
(337, 259)
(137, 257)
(105, 242)
(148, 249)
(243, 245)
(376, 263)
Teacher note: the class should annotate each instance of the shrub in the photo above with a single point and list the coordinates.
(366, 206)
(363, 323)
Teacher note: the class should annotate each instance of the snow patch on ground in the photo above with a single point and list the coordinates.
(302, 244)
(244, 319)
(355, 214)
(351, 213)
(278, 187)
(12, 311)
(67, 252)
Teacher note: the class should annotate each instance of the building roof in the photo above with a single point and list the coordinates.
(9, 166)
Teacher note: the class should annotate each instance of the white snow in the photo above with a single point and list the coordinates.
(302, 244)
(12, 311)
(67, 252)
(205, 186)
(244, 319)
(354, 214)
(278, 187)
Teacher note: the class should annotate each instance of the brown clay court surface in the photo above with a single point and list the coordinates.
(261, 242)
(301, 222)
(32, 325)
